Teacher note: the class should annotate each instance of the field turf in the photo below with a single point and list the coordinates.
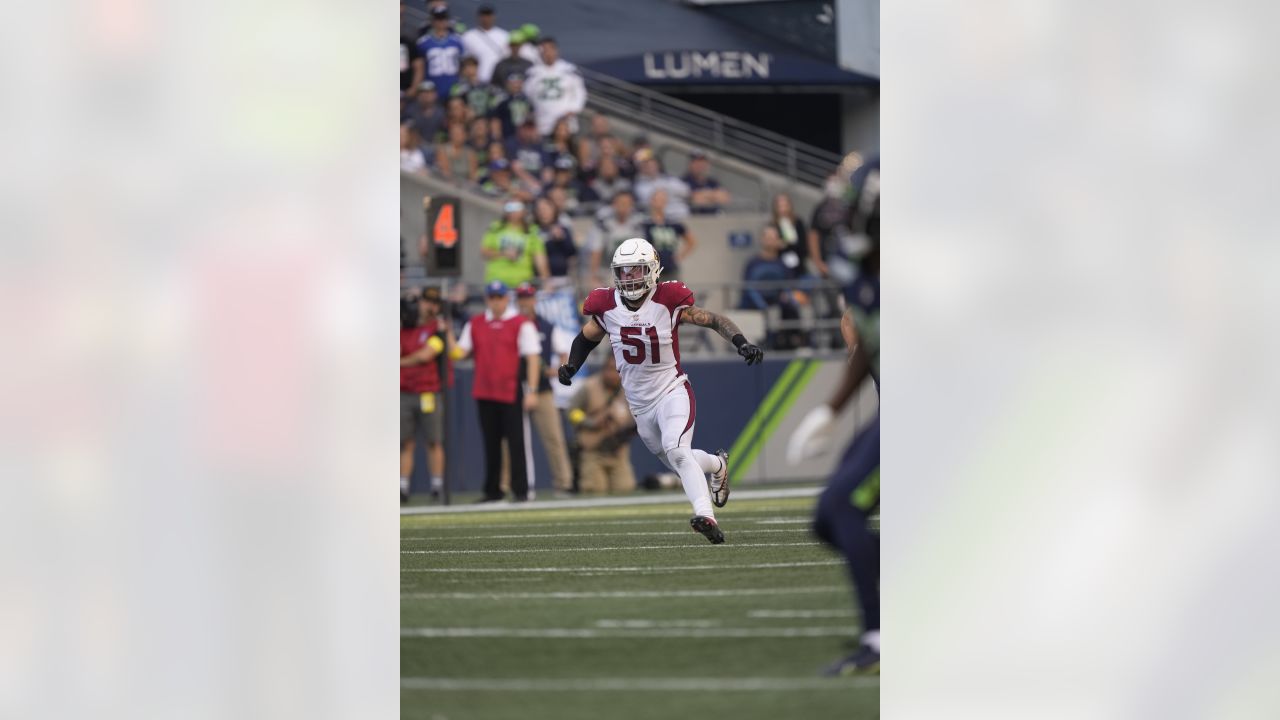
(624, 612)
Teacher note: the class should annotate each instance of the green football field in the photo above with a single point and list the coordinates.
(624, 612)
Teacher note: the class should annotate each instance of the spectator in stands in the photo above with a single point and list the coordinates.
(512, 250)
(529, 157)
(650, 179)
(412, 159)
(671, 239)
(603, 428)
(498, 180)
(795, 242)
(486, 42)
(706, 197)
(455, 111)
(768, 267)
(561, 140)
(608, 181)
(613, 224)
(511, 110)
(420, 409)
(506, 348)
(478, 140)
(611, 145)
(556, 88)
(558, 196)
(442, 49)
(532, 38)
(455, 160)
(477, 94)
(555, 343)
(412, 68)
(557, 239)
(425, 113)
(564, 176)
(600, 126)
(512, 63)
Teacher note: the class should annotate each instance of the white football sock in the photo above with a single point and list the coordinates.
(871, 639)
(437, 483)
(708, 462)
(404, 484)
(680, 459)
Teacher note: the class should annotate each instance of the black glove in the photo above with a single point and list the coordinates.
(567, 372)
(752, 354)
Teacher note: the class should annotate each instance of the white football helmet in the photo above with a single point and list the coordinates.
(635, 268)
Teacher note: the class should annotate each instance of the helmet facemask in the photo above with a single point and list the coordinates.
(634, 280)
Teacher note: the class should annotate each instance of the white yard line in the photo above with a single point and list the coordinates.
(590, 534)
(523, 551)
(591, 634)
(785, 521)
(794, 614)
(633, 684)
(643, 569)
(624, 594)
(586, 521)
(627, 501)
(636, 624)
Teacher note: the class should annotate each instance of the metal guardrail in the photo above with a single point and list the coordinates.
(743, 141)
(820, 320)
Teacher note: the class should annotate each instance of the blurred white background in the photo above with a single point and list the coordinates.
(199, 222)
(1080, 422)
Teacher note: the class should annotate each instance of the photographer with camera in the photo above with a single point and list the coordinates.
(603, 427)
(424, 337)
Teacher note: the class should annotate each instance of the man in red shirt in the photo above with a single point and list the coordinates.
(420, 345)
(506, 349)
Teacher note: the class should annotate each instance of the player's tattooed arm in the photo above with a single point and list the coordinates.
(728, 330)
(712, 320)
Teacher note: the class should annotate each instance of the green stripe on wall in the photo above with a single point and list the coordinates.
(792, 394)
(770, 400)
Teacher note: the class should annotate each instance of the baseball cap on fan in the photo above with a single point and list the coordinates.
(496, 288)
(440, 12)
(524, 290)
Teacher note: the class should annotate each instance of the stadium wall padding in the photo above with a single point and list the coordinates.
(731, 398)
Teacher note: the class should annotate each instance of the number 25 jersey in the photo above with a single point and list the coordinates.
(646, 344)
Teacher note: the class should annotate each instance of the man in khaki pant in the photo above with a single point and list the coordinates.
(545, 416)
(604, 428)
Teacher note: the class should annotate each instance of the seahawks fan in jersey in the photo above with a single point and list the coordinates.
(555, 87)
(511, 108)
(442, 49)
(641, 317)
(852, 495)
(477, 94)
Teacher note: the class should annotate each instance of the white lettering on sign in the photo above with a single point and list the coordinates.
(730, 64)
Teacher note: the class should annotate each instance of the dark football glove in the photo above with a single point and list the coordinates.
(752, 354)
(566, 374)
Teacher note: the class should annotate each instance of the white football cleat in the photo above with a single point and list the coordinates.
(720, 480)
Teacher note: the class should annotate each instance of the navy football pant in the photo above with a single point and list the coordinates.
(844, 507)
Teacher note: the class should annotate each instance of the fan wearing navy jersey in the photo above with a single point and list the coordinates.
(442, 49)
(641, 318)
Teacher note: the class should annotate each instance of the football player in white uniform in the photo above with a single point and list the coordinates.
(641, 317)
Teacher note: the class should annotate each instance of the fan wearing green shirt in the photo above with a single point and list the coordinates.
(512, 250)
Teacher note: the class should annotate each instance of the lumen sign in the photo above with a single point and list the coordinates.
(693, 65)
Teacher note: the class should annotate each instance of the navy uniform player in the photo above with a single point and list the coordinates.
(641, 318)
(852, 495)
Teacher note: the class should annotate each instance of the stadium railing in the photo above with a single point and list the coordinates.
(743, 141)
(818, 310)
